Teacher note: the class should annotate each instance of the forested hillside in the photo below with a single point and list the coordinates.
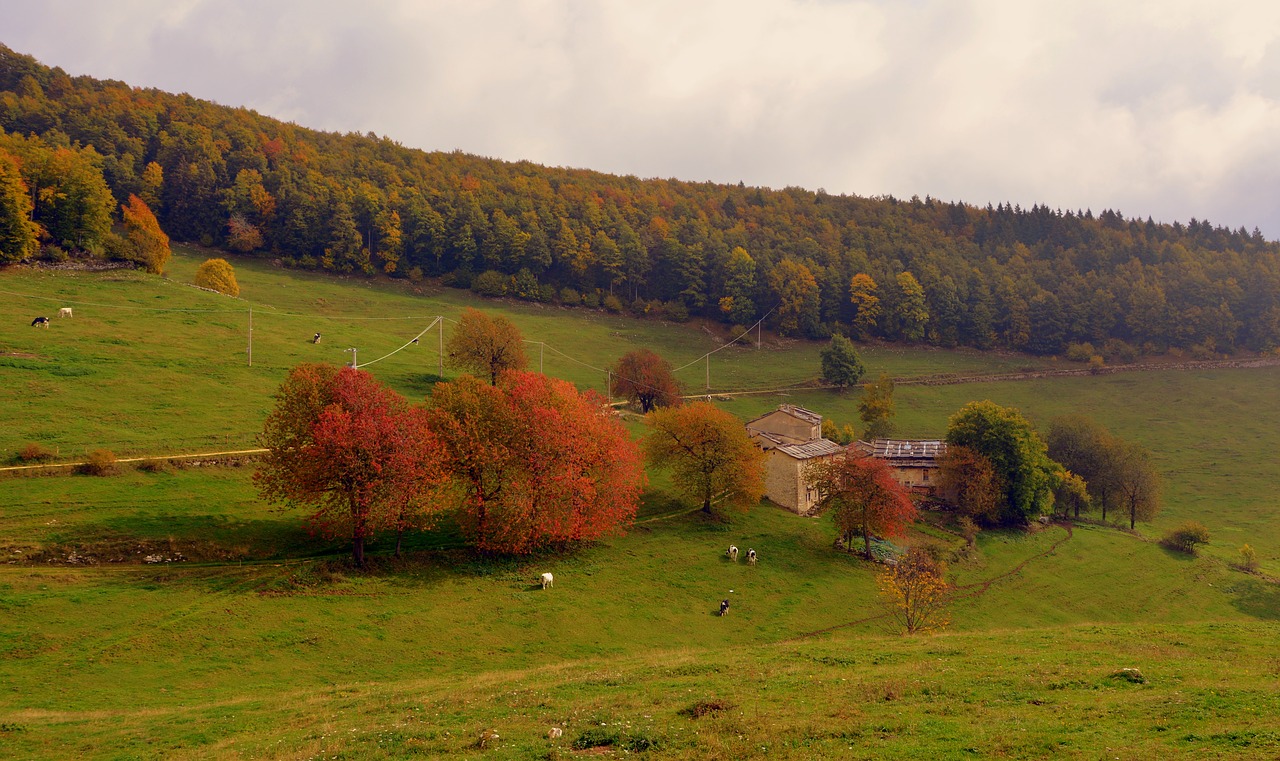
(812, 263)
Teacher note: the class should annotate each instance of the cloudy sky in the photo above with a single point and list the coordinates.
(1168, 109)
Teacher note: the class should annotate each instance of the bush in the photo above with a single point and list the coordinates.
(570, 297)
(155, 466)
(1079, 352)
(218, 275)
(101, 462)
(1248, 558)
(1117, 350)
(491, 283)
(612, 304)
(34, 453)
(53, 253)
(525, 285)
(676, 311)
(1185, 537)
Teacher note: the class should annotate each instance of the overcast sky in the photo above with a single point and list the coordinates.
(1167, 109)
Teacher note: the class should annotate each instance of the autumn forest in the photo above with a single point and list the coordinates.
(75, 150)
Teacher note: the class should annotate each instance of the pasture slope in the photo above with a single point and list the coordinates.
(168, 613)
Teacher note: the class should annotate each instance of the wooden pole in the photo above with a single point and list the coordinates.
(440, 372)
(250, 349)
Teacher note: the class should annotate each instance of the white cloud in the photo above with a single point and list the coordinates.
(1168, 109)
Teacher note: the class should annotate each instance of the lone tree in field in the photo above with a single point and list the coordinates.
(841, 365)
(863, 497)
(876, 408)
(486, 345)
(1017, 455)
(914, 591)
(708, 452)
(534, 462)
(148, 242)
(1089, 451)
(1137, 482)
(644, 378)
(351, 449)
(217, 275)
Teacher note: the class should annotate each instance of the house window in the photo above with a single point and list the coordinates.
(926, 474)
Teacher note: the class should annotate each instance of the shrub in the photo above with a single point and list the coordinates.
(676, 311)
(1117, 350)
(218, 275)
(491, 283)
(525, 285)
(612, 303)
(34, 453)
(591, 299)
(1096, 363)
(101, 462)
(1079, 352)
(53, 253)
(1186, 536)
(154, 466)
(570, 297)
(1248, 558)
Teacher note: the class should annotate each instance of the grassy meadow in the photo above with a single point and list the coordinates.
(247, 637)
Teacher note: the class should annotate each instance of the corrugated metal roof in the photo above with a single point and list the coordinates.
(809, 416)
(811, 449)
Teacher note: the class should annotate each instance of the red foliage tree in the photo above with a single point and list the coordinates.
(864, 497)
(644, 378)
(537, 462)
(352, 449)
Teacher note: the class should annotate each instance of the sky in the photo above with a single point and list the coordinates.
(1167, 109)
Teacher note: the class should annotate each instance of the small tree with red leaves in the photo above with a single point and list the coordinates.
(350, 448)
(536, 462)
(644, 378)
(863, 496)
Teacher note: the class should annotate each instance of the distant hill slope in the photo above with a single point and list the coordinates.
(811, 263)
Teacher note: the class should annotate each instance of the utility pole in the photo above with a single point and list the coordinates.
(440, 372)
(758, 335)
(250, 349)
(708, 372)
(353, 357)
(608, 384)
(541, 346)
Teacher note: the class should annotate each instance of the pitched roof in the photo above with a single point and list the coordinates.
(811, 449)
(800, 413)
(909, 450)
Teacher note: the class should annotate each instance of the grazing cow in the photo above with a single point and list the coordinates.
(751, 556)
(733, 553)
(724, 606)
(40, 322)
(64, 312)
(315, 339)
(548, 580)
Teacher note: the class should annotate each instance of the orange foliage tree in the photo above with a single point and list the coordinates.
(915, 591)
(486, 345)
(343, 444)
(149, 243)
(535, 462)
(864, 498)
(217, 275)
(709, 453)
(644, 378)
(968, 481)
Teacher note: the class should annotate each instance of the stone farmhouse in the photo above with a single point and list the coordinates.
(915, 462)
(791, 437)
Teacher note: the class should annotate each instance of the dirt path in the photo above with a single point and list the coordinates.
(232, 453)
(975, 589)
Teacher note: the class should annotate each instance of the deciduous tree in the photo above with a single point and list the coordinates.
(876, 408)
(149, 244)
(218, 275)
(968, 481)
(344, 445)
(486, 345)
(1017, 455)
(863, 497)
(1138, 482)
(709, 454)
(915, 592)
(1089, 451)
(17, 231)
(841, 365)
(645, 378)
(535, 462)
(866, 305)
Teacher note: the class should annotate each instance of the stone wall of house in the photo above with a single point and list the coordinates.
(782, 480)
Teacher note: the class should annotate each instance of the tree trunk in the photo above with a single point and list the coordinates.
(866, 540)
(357, 550)
(399, 534)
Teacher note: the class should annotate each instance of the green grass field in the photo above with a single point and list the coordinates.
(249, 638)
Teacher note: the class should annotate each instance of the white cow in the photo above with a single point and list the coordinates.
(733, 553)
(64, 312)
(751, 556)
(548, 580)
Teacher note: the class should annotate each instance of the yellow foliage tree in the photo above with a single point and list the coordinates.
(149, 243)
(915, 592)
(218, 275)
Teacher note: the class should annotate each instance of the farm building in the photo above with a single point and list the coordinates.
(791, 437)
(915, 462)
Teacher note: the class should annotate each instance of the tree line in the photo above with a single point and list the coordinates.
(927, 271)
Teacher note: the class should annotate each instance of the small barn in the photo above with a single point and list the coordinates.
(791, 437)
(915, 462)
